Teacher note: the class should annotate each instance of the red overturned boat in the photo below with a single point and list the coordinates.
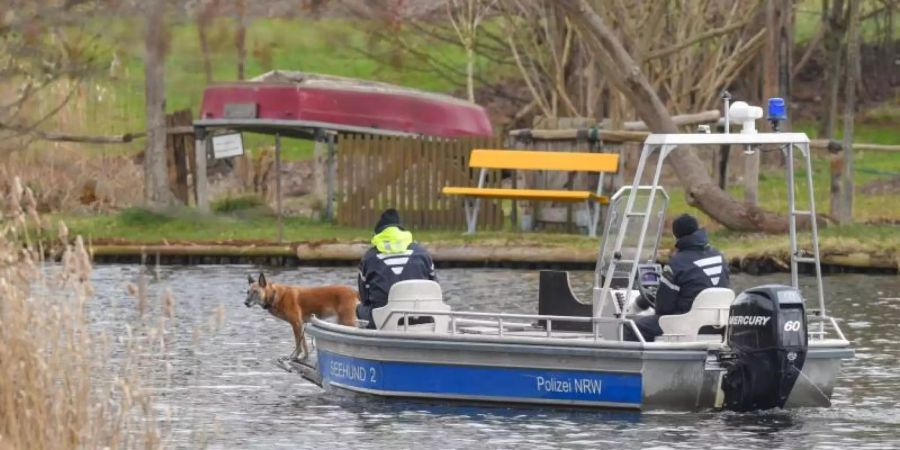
(302, 103)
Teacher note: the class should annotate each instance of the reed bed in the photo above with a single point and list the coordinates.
(69, 178)
(57, 389)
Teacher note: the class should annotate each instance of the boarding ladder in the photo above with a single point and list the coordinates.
(799, 256)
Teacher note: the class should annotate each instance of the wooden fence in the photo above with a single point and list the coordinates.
(180, 158)
(379, 172)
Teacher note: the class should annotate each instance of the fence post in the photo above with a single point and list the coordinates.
(278, 187)
(329, 205)
(320, 170)
(201, 138)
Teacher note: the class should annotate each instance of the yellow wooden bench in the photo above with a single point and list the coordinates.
(531, 160)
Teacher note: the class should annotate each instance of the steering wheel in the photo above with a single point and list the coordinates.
(646, 294)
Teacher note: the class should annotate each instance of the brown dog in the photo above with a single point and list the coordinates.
(295, 305)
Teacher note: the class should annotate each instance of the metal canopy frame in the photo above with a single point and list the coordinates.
(665, 144)
(300, 129)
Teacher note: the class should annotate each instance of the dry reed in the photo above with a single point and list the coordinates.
(69, 178)
(57, 389)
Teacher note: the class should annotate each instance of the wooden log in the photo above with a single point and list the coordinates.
(708, 116)
(632, 131)
(192, 250)
(571, 134)
(827, 144)
(83, 139)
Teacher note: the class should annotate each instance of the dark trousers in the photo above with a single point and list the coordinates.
(647, 325)
(364, 312)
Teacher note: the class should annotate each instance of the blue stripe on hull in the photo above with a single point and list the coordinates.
(502, 383)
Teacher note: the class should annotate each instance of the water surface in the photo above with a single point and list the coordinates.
(217, 386)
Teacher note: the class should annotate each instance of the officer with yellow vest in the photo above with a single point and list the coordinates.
(393, 257)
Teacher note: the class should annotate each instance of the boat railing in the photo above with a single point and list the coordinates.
(822, 327)
(503, 321)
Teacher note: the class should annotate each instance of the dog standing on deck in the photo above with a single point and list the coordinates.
(296, 304)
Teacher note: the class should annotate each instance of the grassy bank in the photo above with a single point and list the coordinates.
(141, 227)
(871, 203)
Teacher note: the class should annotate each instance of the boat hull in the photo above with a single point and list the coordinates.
(334, 102)
(540, 371)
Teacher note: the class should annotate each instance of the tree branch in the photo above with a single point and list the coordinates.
(695, 39)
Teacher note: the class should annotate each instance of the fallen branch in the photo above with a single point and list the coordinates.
(838, 146)
(709, 116)
(107, 139)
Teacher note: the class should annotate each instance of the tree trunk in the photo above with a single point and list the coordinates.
(204, 16)
(889, 43)
(470, 70)
(700, 189)
(846, 210)
(240, 38)
(836, 166)
(833, 21)
(769, 90)
(156, 189)
(785, 55)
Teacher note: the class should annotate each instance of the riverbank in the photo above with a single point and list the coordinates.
(135, 236)
(525, 257)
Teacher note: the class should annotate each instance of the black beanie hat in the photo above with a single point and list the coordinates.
(684, 225)
(389, 218)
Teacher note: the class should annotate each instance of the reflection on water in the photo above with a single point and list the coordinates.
(221, 389)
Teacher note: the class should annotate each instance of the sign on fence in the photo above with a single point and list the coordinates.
(227, 145)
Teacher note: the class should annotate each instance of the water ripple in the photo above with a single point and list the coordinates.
(222, 384)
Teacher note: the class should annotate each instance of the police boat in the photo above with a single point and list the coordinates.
(769, 346)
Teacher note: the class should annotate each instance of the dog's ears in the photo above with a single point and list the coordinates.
(262, 280)
(250, 279)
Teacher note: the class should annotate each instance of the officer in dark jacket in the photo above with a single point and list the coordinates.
(393, 257)
(693, 267)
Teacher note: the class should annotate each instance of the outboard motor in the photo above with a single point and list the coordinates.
(767, 336)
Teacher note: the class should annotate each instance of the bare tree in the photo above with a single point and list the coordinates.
(845, 215)
(834, 23)
(240, 37)
(545, 53)
(688, 51)
(156, 188)
(393, 22)
(204, 14)
(466, 17)
(43, 45)
(627, 77)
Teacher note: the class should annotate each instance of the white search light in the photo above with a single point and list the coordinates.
(746, 115)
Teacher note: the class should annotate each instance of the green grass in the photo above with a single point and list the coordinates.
(136, 225)
(247, 203)
(139, 226)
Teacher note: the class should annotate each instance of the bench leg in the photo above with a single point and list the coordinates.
(593, 209)
(471, 205)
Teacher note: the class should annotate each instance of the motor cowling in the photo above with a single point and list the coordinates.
(767, 337)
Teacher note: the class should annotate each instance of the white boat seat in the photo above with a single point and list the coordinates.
(710, 309)
(413, 295)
